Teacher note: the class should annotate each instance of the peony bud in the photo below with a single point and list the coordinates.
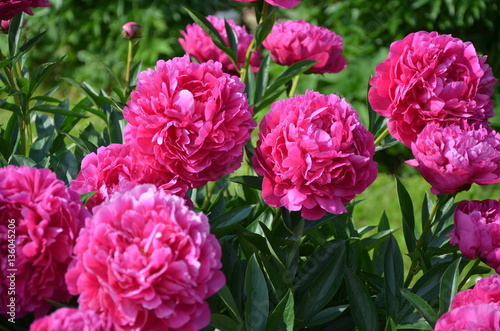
(5, 26)
(131, 30)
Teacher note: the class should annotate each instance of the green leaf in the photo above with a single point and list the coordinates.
(232, 39)
(262, 78)
(406, 207)
(41, 74)
(57, 110)
(422, 307)
(32, 42)
(257, 305)
(235, 215)
(288, 74)
(325, 273)
(393, 277)
(20, 160)
(278, 281)
(449, 286)
(283, 316)
(327, 315)
(228, 300)
(362, 307)
(390, 326)
(250, 181)
(223, 323)
(264, 28)
(85, 197)
(15, 28)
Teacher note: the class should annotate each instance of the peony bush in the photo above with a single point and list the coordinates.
(212, 191)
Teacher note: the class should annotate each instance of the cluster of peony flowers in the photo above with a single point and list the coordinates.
(292, 41)
(189, 119)
(47, 218)
(147, 262)
(199, 45)
(10, 8)
(477, 231)
(474, 309)
(65, 319)
(436, 91)
(288, 4)
(314, 154)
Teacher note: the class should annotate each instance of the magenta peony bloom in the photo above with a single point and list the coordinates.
(131, 30)
(427, 78)
(290, 42)
(477, 231)
(117, 168)
(39, 221)
(482, 317)
(452, 158)
(5, 26)
(10, 8)
(314, 154)
(189, 119)
(146, 261)
(288, 4)
(68, 319)
(199, 45)
(486, 290)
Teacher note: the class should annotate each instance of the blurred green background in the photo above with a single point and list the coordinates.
(87, 33)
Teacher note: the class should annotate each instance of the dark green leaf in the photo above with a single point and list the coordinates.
(32, 42)
(422, 307)
(327, 315)
(235, 215)
(232, 38)
(289, 74)
(20, 160)
(406, 207)
(449, 286)
(262, 78)
(57, 110)
(15, 28)
(85, 197)
(42, 72)
(362, 307)
(223, 323)
(228, 300)
(264, 28)
(257, 305)
(393, 276)
(250, 181)
(283, 316)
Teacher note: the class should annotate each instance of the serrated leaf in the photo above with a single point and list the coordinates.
(257, 305)
(283, 316)
(363, 309)
(422, 307)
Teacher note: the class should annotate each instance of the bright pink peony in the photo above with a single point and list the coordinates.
(452, 158)
(131, 30)
(117, 168)
(47, 218)
(5, 26)
(314, 154)
(482, 317)
(290, 42)
(68, 319)
(427, 78)
(10, 8)
(477, 231)
(199, 45)
(486, 290)
(288, 4)
(147, 261)
(189, 119)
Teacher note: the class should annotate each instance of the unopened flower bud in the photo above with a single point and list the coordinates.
(5, 26)
(131, 30)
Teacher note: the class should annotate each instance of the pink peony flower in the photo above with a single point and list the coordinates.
(39, 221)
(199, 45)
(288, 4)
(10, 8)
(131, 30)
(314, 154)
(482, 317)
(477, 231)
(117, 168)
(451, 158)
(69, 319)
(427, 78)
(486, 290)
(189, 119)
(290, 42)
(146, 261)
(5, 26)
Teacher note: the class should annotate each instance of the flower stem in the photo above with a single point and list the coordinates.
(294, 85)
(130, 55)
(379, 139)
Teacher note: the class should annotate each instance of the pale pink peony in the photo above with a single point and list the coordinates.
(314, 154)
(477, 231)
(118, 168)
(199, 45)
(189, 119)
(70, 319)
(147, 261)
(427, 78)
(452, 158)
(10, 8)
(486, 290)
(290, 42)
(483, 317)
(288, 4)
(47, 218)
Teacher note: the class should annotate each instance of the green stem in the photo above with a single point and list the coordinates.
(379, 139)
(130, 55)
(294, 85)
(22, 116)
